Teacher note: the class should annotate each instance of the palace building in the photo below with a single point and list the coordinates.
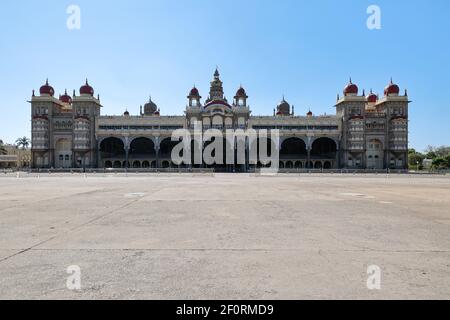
(366, 132)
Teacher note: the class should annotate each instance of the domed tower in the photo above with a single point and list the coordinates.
(216, 90)
(86, 90)
(240, 100)
(150, 108)
(47, 90)
(283, 108)
(372, 98)
(351, 89)
(194, 98)
(391, 89)
(65, 98)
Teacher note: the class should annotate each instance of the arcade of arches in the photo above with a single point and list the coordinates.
(144, 153)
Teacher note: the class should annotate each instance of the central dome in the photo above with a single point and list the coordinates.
(150, 107)
(283, 108)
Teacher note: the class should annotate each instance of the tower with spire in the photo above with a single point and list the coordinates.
(216, 89)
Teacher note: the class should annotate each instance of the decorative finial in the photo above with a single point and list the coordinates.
(33, 93)
(87, 83)
(364, 92)
(74, 92)
(392, 81)
(351, 80)
(406, 92)
(46, 82)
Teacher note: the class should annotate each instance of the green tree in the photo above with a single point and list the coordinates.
(23, 142)
(440, 163)
(437, 152)
(416, 158)
(447, 158)
(2, 148)
(443, 151)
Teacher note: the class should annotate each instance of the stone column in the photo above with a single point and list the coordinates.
(157, 147)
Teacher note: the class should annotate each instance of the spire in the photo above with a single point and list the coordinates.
(46, 82)
(216, 74)
(216, 90)
(351, 80)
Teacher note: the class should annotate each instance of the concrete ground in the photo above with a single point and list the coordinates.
(225, 236)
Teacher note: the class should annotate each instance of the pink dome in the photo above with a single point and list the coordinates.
(65, 98)
(351, 89)
(46, 89)
(87, 89)
(372, 97)
(391, 88)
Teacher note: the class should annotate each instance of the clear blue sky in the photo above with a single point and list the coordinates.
(304, 49)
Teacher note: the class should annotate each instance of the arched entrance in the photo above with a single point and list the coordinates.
(324, 149)
(113, 150)
(63, 153)
(166, 147)
(375, 154)
(293, 149)
(141, 148)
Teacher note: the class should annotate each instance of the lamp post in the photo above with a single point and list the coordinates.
(417, 162)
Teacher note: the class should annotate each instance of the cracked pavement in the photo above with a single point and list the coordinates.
(227, 236)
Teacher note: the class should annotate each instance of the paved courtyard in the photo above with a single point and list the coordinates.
(224, 236)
